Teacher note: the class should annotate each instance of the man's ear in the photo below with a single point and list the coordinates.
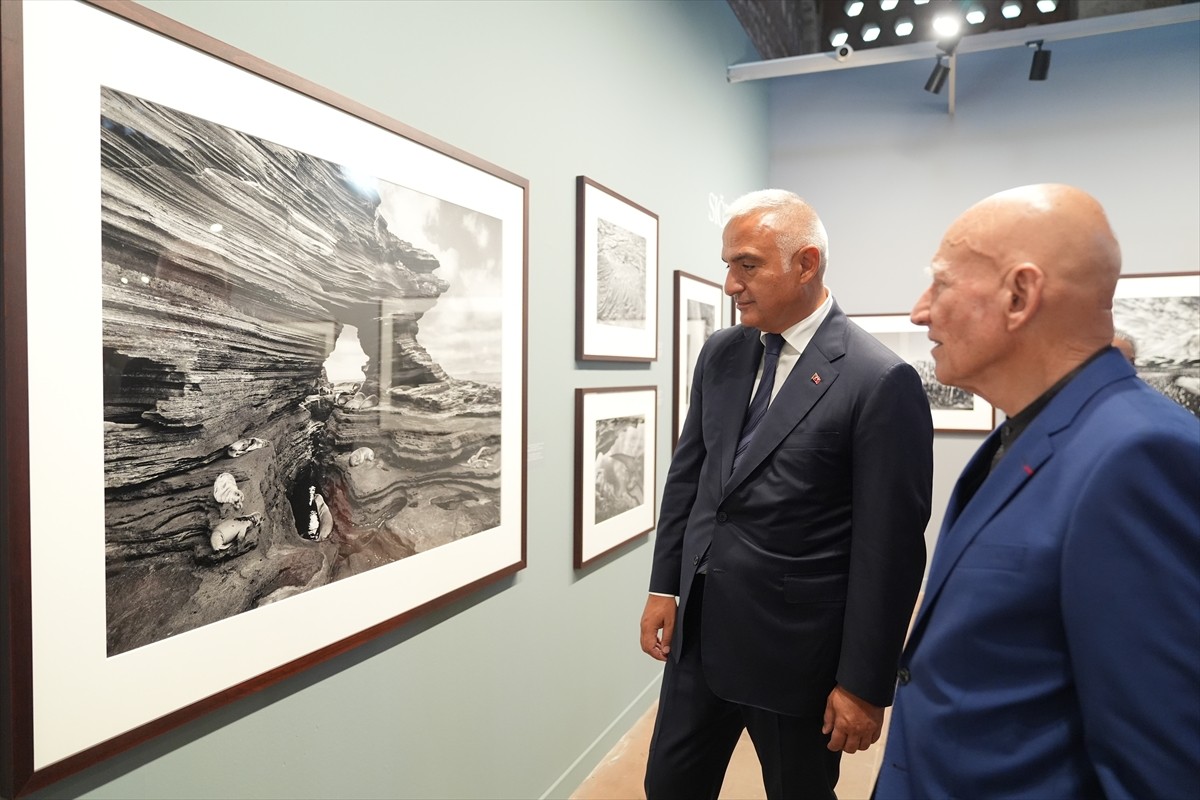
(808, 261)
(1024, 285)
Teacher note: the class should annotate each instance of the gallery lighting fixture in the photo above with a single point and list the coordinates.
(1011, 9)
(946, 25)
(888, 5)
(1041, 61)
(854, 8)
(937, 78)
(838, 37)
(904, 26)
(870, 32)
(1047, 6)
(942, 66)
(976, 15)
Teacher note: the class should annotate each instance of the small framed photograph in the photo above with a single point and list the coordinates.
(616, 257)
(953, 409)
(615, 432)
(698, 314)
(1156, 316)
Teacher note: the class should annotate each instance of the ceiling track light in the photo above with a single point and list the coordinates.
(937, 78)
(1040, 68)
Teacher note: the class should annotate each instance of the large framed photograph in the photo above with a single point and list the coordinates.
(264, 378)
(616, 276)
(699, 307)
(1156, 318)
(954, 409)
(615, 432)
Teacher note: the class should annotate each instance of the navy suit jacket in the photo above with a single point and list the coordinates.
(1057, 651)
(816, 542)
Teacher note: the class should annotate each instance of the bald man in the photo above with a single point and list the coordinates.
(1057, 651)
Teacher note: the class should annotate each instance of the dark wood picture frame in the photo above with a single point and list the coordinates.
(691, 291)
(616, 431)
(107, 39)
(616, 276)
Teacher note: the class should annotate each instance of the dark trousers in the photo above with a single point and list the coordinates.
(696, 731)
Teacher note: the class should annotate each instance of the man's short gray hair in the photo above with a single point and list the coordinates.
(794, 221)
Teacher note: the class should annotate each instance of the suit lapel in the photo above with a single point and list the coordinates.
(738, 368)
(799, 393)
(1029, 454)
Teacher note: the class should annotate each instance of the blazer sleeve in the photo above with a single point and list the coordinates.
(891, 484)
(679, 493)
(1131, 610)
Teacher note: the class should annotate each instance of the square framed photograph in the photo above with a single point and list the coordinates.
(292, 416)
(615, 432)
(699, 307)
(1156, 317)
(616, 276)
(954, 410)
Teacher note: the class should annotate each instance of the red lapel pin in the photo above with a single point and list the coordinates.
(816, 379)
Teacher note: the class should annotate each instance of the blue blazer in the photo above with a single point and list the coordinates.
(816, 542)
(1057, 651)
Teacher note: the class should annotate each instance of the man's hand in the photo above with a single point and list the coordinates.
(658, 616)
(854, 723)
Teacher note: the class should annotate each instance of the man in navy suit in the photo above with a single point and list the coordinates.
(1057, 650)
(792, 526)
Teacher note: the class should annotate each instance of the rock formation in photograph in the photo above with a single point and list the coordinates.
(236, 474)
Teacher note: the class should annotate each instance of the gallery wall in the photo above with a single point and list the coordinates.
(517, 690)
(889, 169)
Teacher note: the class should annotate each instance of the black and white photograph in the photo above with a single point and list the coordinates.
(698, 314)
(1157, 321)
(620, 465)
(273, 420)
(953, 409)
(293, 414)
(615, 430)
(616, 276)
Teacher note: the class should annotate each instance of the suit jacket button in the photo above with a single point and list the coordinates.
(903, 676)
(695, 560)
(722, 516)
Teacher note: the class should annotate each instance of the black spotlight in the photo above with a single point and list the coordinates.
(1041, 62)
(937, 78)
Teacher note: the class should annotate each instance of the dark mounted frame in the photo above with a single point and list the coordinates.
(84, 278)
(616, 432)
(616, 276)
(699, 308)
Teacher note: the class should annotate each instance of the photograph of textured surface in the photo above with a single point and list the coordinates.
(616, 264)
(273, 420)
(1160, 316)
(615, 430)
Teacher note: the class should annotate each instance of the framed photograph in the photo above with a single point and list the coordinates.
(953, 409)
(615, 432)
(616, 276)
(264, 378)
(698, 314)
(1156, 316)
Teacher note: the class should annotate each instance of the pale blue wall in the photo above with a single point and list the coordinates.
(517, 691)
(889, 170)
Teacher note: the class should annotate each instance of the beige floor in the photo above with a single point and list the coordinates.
(619, 775)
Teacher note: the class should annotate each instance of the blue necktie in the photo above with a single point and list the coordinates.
(762, 397)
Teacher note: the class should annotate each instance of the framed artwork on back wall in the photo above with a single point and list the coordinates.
(953, 409)
(266, 456)
(1158, 315)
(699, 304)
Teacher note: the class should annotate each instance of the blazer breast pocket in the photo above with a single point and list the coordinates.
(1006, 557)
(817, 440)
